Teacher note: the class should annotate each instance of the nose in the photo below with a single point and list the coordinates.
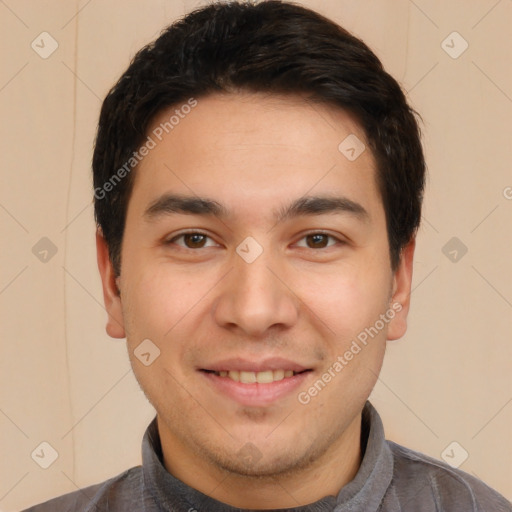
(255, 297)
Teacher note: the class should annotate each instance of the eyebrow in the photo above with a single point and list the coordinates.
(169, 204)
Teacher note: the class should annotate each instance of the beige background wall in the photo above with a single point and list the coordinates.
(64, 381)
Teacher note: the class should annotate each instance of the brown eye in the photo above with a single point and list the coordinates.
(192, 241)
(318, 241)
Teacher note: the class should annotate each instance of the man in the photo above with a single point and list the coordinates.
(258, 183)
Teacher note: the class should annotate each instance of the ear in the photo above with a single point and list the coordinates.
(401, 296)
(111, 295)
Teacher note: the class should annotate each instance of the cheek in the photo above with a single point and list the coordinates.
(168, 305)
(159, 298)
(345, 300)
(156, 307)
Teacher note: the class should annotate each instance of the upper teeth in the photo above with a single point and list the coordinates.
(261, 377)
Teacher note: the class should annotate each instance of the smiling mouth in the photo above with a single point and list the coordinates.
(264, 377)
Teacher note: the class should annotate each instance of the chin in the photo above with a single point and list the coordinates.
(264, 459)
(249, 462)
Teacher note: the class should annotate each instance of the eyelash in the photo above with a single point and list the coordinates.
(181, 235)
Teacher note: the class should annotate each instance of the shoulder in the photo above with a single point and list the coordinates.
(124, 488)
(420, 479)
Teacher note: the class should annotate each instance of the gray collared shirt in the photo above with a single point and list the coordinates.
(391, 478)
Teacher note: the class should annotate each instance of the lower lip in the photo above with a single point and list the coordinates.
(256, 394)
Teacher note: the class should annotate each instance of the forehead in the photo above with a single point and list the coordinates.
(246, 149)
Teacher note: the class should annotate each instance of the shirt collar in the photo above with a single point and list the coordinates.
(365, 492)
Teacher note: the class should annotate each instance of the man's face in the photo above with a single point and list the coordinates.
(239, 287)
